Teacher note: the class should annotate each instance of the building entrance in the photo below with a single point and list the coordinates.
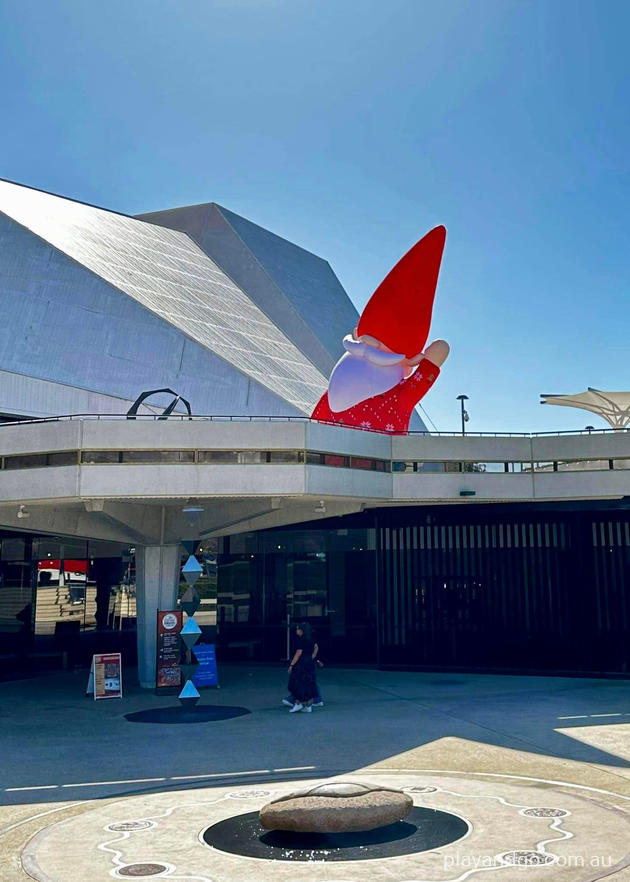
(269, 581)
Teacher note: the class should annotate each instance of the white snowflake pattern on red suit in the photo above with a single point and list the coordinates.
(389, 412)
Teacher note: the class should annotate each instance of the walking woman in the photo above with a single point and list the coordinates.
(302, 683)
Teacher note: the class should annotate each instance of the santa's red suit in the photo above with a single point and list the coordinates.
(389, 412)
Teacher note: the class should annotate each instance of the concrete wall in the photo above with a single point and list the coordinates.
(29, 396)
(461, 449)
(75, 329)
(232, 481)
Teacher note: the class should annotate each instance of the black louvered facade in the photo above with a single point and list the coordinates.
(491, 587)
(543, 591)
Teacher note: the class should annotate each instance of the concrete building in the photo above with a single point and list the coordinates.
(424, 550)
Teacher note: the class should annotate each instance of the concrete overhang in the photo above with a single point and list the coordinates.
(142, 502)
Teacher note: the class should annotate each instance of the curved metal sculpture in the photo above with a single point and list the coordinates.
(133, 410)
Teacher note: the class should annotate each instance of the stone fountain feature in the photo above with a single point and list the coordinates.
(336, 807)
(336, 821)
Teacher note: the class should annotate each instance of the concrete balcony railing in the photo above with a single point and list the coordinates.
(103, 456)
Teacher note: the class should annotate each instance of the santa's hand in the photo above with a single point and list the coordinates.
(436, 353)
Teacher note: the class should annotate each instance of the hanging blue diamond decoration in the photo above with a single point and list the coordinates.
(191, 570)
(191, 632)
(189, 694)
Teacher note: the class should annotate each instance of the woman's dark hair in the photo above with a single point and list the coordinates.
(305, 628)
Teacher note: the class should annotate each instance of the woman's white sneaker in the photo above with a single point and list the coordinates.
(296, 707)
(307, 710)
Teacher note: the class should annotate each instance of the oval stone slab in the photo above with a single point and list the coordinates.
(339, 807)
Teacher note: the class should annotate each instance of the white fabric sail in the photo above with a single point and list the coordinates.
(614, 407)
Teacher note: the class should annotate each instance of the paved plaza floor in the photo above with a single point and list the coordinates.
(536, 772)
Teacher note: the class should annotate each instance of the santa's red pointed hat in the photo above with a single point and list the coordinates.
(399, 312)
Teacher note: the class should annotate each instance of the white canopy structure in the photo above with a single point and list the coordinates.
(614, 407)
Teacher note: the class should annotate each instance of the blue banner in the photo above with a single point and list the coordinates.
(206, 673)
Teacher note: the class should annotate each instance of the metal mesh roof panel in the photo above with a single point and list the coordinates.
(306, 279)
(165, 271)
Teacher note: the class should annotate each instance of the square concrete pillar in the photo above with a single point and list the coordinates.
(157, 583)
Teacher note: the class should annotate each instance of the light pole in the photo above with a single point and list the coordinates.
(465, 417)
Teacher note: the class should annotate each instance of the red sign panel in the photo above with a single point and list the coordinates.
(107, 671)
(167, 670)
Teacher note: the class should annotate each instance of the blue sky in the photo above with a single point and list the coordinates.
(352, 127)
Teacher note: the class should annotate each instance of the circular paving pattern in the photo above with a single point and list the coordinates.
(177, 714)
(128, 826)
(527, 858)
(139, 871)
(544, 813)
(548, 831)
(420, 789)
(422, 830)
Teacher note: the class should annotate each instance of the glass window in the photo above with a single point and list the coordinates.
(453, 466)
(217, 456)
(12, 548)
(68, 457)
(64, 591)
(583, 465)
(151, 456)
(120, 586)
(361, 463)
(40, 460)
(100, 456)
(28, 461)
(314, 458)
(399, 466)
(252, 457)
(431, 466)
(372, 465)
(336, 460)
(16, 594)
(290, 456)
(80, 587)
(621, 463)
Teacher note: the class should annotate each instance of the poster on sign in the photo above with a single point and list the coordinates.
(168, 674)
(106, 676)
(206, 673)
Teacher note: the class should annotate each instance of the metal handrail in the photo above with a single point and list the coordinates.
(237, 418)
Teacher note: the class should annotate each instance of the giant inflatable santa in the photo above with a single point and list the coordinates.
(384, 371)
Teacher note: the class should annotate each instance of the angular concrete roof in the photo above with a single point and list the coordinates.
(168, 274)
(297, 290)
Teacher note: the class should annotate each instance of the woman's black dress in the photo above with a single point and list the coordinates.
(302, 684)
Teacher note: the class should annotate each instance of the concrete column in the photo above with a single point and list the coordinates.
(157, 581)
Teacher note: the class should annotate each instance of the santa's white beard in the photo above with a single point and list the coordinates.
(354, 379)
